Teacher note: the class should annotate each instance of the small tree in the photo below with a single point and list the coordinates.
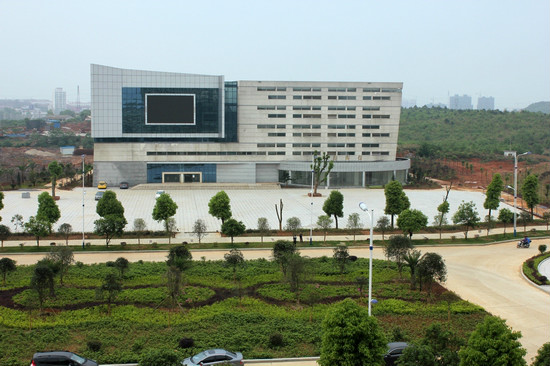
(431, 267)
(17, 221)
(321, 168)
(62, 257)
(199, 229)
(173, 283)
(263, 227)
(493, 343)
(296, 270)
(543, 356)
(324, 222)
(165, 208)
(171, 228)
(354, 224)
(279, 212)
(412, 258)
(47, 210)
(341, 257)
(397, 248)
(542, 248)
(6, 265)
(42, 281)
(293, 224)
(139, 228)
(334, 205)
(4, 233)
(109, 290)
(179, 257)
(383, 225)
(530, 192)
(65, 230)
(220, 207)
(234, 259)
(233, 228)
(122, 265)
(443, 209)
(524, 218)
(349, 334)
(55, 171)
(466, 215)
(396, 199)
(546, 218)
(37, 228)
(411, 221)
(506, 217)
(109, 227)
(492, 196)
(282, 249)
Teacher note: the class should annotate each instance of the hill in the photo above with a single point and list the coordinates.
(458, 134)
(542, 107)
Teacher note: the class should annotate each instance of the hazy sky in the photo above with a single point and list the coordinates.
(437, 48)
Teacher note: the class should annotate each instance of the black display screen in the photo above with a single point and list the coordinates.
(170, 109)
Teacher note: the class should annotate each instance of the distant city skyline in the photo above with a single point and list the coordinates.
(498, 48)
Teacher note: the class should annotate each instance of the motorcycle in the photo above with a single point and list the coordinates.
(523, 244)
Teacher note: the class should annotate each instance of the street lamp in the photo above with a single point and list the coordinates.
(515, 155)
(363, 206)
(311, 208)
(83, 192)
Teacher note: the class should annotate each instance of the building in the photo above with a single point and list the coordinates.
(460, 102)
(59, 100)
(158, 127)
(487, 103)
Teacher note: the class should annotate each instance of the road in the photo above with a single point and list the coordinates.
(485, 275)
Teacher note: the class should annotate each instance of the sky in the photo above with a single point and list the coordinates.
(498, 48)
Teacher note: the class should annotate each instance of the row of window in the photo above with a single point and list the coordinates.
(330, 127)
(313, 108)
(301, 144)
(330, 134)
(374, 153)
(225, 153)
(336, 90)
(330, 97)
(329, 116)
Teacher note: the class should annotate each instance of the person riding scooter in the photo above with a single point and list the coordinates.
(524, 243)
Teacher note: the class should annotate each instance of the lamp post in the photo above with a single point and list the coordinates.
(515, 155)
(363, 206)
(83, 192)
(311, 208)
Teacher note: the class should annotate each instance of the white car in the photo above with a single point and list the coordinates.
(159, 192)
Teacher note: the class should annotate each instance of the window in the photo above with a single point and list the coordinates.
(276, 134)
(276, 116)
(332, 97)
(350, 145)
(296, 153)
(371, 90)
(336, 145)
(372, 127)
(347, 97)
(266, 88)
(366, 135)
(341, 90)
(367, 116)
(315, 127)
(371, 145)
(266, 126)
(337, 108)
(281, 145)
(318, 97)
(331, 134)
(312, 134)
(301, 145)
(380, 98)
(316, 145)
(312, 116)
(391, 90)
(297, 134)
(352, 90)
(276, 97)
(301, 126)
(351, 127)
(336, 127)
(380, 153)
(281, 88)
(296, 116)
(316, 89)
(301, 89)
(265, 145)
(365, 153)
(344, 134)
(316, 108)
(281, 126)
(380, 135)
(367, 97)
(266, 107)
(281, 107)
(301, 108)
(276, 153)
(350, 116)
(371, 108)
(378, 116)
(331, 116)
(296, 97)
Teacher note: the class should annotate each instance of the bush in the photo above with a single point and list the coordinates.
(186, 343)
(94, 345)
(160, 357)
(542, 248)
(276, 340)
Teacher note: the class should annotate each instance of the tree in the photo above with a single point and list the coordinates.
(350, 337)
(383, 225)
(199, 229)
(62, 258)
(55, 171)
(263, 227)
(233, 228)
(179, 257)
(524, 218)
(354, 224)
(47, 210)
(529, 191)
(139, 228)
(397, 248)
(122, 265)
(334, 205)
(543, 356)
(466, 215)
(109, 290)
(42, 281)
(341, 257)
(37, 228)
(396, 199)
(279, 212)
(493, 343)
(2, 202)
(492, 196)
(443, 209)
(293, 224)
(219, 206)
(234, 259)
(6, 265)
(66, 230)
(171, 228)
(411, 221)
(164, 209)
(506, 217)
(173, 283)
(4, 233)
(431, 267)
(417, 354)
(17, 221)
(296, 270)
(321, 168)
(412, 258)
(109, 227)
(546, 218)
(282, 249)
(109, 205)
(324, 222)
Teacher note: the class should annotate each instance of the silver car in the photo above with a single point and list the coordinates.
(214, 357)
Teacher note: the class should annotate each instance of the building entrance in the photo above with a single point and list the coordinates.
(182, 177)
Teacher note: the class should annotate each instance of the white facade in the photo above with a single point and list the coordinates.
(59, 100)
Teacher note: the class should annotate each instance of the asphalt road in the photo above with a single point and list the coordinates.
(489, 276)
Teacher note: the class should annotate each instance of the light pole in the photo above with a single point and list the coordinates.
(515, 155)
(83, 192)
(311, 208)
(363, 206)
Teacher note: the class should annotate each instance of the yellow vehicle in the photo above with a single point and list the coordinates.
(102, 184)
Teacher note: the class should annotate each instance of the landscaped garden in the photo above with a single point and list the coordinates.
(247, 306)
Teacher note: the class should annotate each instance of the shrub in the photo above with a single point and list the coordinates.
(186, 343)
(110, 264)
(276, 340)
(159, 357)
(94, 345)
(542, 248)
(352, 258)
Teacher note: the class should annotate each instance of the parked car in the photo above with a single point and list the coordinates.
(395, 350)
(99, 195)
(102, 184)
(159, 192)
(124, 185)
(216, 356)
(60, 358)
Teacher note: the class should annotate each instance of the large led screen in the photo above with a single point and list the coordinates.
(169, 109)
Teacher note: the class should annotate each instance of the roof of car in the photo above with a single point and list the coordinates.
(393, 345)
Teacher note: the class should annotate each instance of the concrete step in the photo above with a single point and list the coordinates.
(206, 186)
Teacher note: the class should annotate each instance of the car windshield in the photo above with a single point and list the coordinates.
(199, 357)
(78, 359)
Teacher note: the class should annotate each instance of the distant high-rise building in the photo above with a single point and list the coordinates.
(59, 100)
(487, 103)
(460, 102)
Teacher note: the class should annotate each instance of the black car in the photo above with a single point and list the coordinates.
(124, 185)
(395, 350)
(60, 358)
